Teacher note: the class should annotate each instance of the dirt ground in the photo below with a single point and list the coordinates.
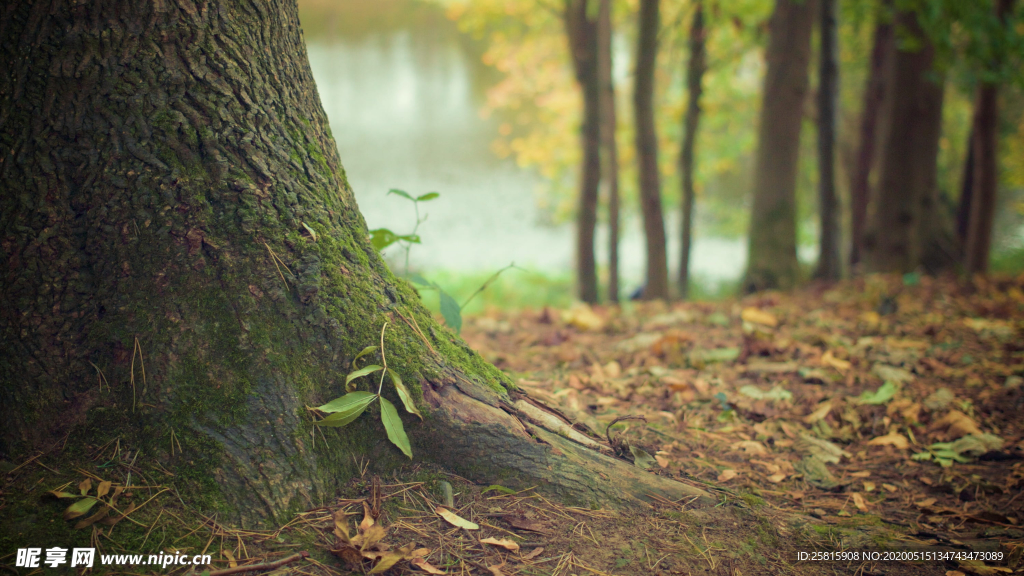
(869, 428)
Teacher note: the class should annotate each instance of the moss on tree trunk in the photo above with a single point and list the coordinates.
(183, 256)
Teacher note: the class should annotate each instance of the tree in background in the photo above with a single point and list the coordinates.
(905, 224)
(983, 159)
(582, 30)
(874, 97)
(691, 121)
(656, 285)
(829, 259)
(772, 261)
(609, 147)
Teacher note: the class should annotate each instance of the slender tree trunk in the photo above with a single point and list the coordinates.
(694, 79)
(874, 97)
(582, 32)
(829, 259)
(182, 254)
(656, 286)
(985, 169)
(610, 159)
(904, 227)
(772, 261)
(963, 210)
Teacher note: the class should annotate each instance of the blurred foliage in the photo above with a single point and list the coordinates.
(538, 102)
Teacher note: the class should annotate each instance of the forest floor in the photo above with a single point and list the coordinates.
(875, 419)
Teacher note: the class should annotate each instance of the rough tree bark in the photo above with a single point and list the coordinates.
(829, 259)
(610, 158)
(874, 97)
(177, 225)
(904, 226)
(772, 261)
(694, 78)
(656, 286)
(581, 29)
(985, 169)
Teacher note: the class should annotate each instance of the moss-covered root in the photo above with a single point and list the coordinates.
(487, 444)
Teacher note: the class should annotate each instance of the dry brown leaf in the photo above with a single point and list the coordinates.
(890, 488)
(925, 503)
(956, 425)
(819, 413)
(662, 460)
(757, 316)
(859, 501)
(424, 566)
(367, 518)
(727, 474)
(839, 364)
(341, 529)
(232, 563)
(861, 474)
(777, 477)
(583, 317)
(504, 543)
(750, 447)
(456, 520)
(496, 569)
(891, 439)
(533, 553)
(869, 486)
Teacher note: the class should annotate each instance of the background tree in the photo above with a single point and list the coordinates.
(610, 157)
(984, 159)
(647, 152)
(874, 97)
(582, 29)
(694, 79)
(177, 223)
(905, 224)
(829, 259)
(772, 261)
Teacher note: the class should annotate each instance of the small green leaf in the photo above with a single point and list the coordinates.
(403, 393)
(451, 311)
(80, 507)
(922, 456)
(498, 488)
(884, 393)
(427, 196)
(358, 373)
(401, 193)
(310, 230)
(381, 238)
(346, 402)
(420, 280)
(641, 458)
(410, 238)
(346, 409)
(364, 352)
(393, 426)
(64, 494)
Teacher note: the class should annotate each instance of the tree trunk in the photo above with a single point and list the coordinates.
(183, 255)
(963, 209)
(772, 261)
(904, 229)
(610, 160)
(656, 286)
(985, 169)
(829, 259)
(694, 79)
(874, 97)
(581, 30)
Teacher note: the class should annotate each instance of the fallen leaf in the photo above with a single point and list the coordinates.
(727, 474)
(890, 487)
(757, 316)
(777, 477)
(456, 520)
(583, 317)
(891, 439)
(956, 424)
(496, 569)
(978, 568)
(662, 460)
(533, 553)
(839, 364)
(750, 447)
(859, 501)
(821, 449)
(424, 566)
(861, 474)
(819, 413)
(869, 486)
(504, 543)
(776, 393)
(925, 503)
